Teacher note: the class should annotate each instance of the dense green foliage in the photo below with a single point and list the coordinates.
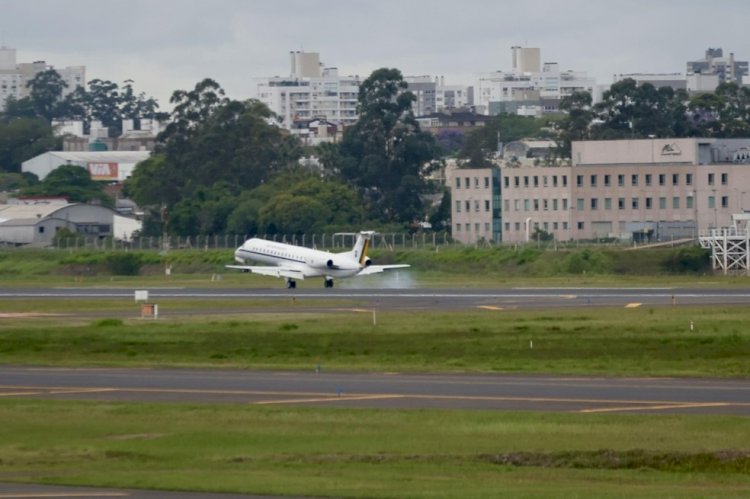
(22, 139)
(385, 155)
(480, 145)
(73, 182)
(632, 111)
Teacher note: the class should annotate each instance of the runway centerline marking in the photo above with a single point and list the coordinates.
(633, 305)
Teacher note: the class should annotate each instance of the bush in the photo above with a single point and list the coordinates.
(124, 263)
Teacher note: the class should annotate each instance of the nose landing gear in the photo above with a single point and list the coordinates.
(328, 283)
(291, 284)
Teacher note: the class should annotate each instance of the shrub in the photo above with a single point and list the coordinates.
(124, 263)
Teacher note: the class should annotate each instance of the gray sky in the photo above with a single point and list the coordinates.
(164, 45)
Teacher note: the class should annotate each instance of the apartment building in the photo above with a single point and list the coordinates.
(311, 92)
(640, 190)
(434, 96)
(530, 88)
(727, 69)
(14, 76)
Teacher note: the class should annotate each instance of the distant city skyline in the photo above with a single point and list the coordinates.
(170, 45)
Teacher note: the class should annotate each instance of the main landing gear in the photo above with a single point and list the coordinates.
(291, 284)
(328, 283)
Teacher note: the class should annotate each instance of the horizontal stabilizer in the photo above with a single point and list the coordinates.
(270, 271)
(376, 269)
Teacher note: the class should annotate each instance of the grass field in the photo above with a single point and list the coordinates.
(610, 341)
(371, 453)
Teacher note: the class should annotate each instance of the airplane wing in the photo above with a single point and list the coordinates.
(376, 269)
(268, 270)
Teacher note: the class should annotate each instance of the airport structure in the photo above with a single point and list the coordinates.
(137, 135)
(36, 221)
(14, 76)
(644, 190)
(530, 88)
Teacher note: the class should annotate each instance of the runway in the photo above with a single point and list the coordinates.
(382, 390)
(419, 299)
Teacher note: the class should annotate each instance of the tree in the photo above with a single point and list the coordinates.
(481, 144)
(46, 89)
(575, 125)
(384, 154)
(22, 139)
(72, 182)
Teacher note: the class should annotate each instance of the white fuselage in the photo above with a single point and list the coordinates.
(312, 263)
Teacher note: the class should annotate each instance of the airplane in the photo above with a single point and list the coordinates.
(297, 262)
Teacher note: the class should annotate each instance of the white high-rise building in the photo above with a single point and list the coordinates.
(14, 76)
(310, 92)
(533, 92)
(434, 96)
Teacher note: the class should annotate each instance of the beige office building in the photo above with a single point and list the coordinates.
(640, 190)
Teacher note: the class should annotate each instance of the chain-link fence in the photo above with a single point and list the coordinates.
(337, 242)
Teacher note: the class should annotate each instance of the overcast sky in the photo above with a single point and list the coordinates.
(164, 45)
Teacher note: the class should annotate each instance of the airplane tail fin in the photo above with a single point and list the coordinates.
(362, 246)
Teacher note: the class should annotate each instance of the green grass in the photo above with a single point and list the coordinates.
(372, 453)
(599, 341)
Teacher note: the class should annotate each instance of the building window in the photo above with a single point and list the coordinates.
(648, 203)
(476, 182)
(516, 205)
(536, 205)
(506, 182)
(526, 181)
(476, 227)
(486, 226)
(725, 201)
(554, 204)
(724, 178)
(580, 225)
(565, 225)
(476, 205)
(620, 203)
(507, 226)
(689, 203)
(517, 181)
(620, 180)
(594, 203)
(580, 204)
(536, 181)
(648, 179)
(467, 227)
(565, 204)
(41, 229)
(544, 181)
(634, 203)
(634, 179)
(518, 226)
(458, 206)
(676, 203)
(688, 179)
(711, 179)
(593, 180)
(507, 205)
(675, 179)
(606, 180)
(662, 203)
(458, 182)
(466, 182)
(486, 205)
(579, 180)
(662, 179)
(554, 180)
(554, 225)
(607, 203)
(711, 202)
(545, 204)
(467, 205)
(565, 180)
(458, 227)
(526, 205)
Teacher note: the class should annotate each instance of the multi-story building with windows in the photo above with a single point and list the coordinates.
(311, 92)
(475, 194)
(530, 88)
(727, 69)
(434, 96)
(641, 190)
(15, 76)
